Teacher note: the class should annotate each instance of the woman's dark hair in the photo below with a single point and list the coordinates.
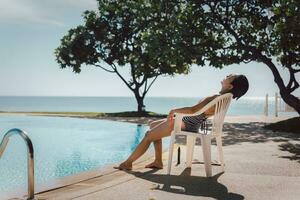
(240, 86)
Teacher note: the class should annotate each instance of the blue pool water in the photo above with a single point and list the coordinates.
(64, 146)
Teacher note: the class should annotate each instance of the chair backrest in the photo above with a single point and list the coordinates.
(221, 106)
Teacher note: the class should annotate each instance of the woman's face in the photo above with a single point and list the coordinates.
(226, 83)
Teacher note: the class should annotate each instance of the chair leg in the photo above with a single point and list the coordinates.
(190, 144)
(172, 141)
(220, 150)
(206, 148)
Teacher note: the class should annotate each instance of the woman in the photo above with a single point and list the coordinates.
(235, 84)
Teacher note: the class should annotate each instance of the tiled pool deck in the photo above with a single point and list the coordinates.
(260, 164)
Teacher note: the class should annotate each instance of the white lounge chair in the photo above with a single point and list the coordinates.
(221, 104)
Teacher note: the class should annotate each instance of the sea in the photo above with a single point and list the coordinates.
(243, 106)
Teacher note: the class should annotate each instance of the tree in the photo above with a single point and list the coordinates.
(141, 36)
(246, 31)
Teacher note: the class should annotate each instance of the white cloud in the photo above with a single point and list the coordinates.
(41, 12)
(18, 11)
(88, 4)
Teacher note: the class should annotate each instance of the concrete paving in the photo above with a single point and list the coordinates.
(259, 164)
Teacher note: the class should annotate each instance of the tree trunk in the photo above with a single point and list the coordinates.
(286, 95)
(290, 99)
(140, 101)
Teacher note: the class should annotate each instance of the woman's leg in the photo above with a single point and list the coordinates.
(159, 131)
(157, 163)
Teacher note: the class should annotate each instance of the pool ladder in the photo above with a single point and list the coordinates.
(30, 156)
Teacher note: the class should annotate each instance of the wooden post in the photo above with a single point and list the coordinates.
(280, 109)
(266, 111)
(276, 104)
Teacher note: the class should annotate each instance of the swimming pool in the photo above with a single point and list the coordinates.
(63, 147)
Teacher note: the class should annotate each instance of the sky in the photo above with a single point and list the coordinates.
(30, 30)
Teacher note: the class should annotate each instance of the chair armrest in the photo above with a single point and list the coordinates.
(177, 122)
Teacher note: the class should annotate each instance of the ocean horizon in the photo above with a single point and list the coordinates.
(243, 106)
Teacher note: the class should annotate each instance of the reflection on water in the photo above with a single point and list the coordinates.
(73, 164)
(139, 134)
(64, 146)
(76, 162)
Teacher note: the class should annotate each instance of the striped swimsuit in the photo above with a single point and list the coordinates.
(193, 123)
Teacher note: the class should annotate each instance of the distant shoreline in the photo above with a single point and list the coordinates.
(245, 106)
(132, 118)
(92, 115)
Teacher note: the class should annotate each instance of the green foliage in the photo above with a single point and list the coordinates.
(166, 37)
(240, 30)
(251, 30)
(156, 38)
(76, 48)
(144, 35)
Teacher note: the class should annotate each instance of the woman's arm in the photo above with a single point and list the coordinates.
(202, 103)
(192, 109)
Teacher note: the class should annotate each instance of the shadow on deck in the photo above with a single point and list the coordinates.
(253, 132)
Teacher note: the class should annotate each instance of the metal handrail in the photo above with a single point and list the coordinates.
(30, 156)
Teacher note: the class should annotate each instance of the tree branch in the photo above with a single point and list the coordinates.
(277, 77)
(145, 92)
(256, 53)
(226, 26)
(296, 70)
(108, 70)
(292, 77)
(260, 57)
(293, 83)
(227, 12)
(122, 78)
(145, 88)
(133, 75)
(144, 79)
(247, 61)
(296, 85)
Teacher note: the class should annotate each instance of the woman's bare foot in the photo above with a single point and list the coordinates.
(124, 166)
(155, 165)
